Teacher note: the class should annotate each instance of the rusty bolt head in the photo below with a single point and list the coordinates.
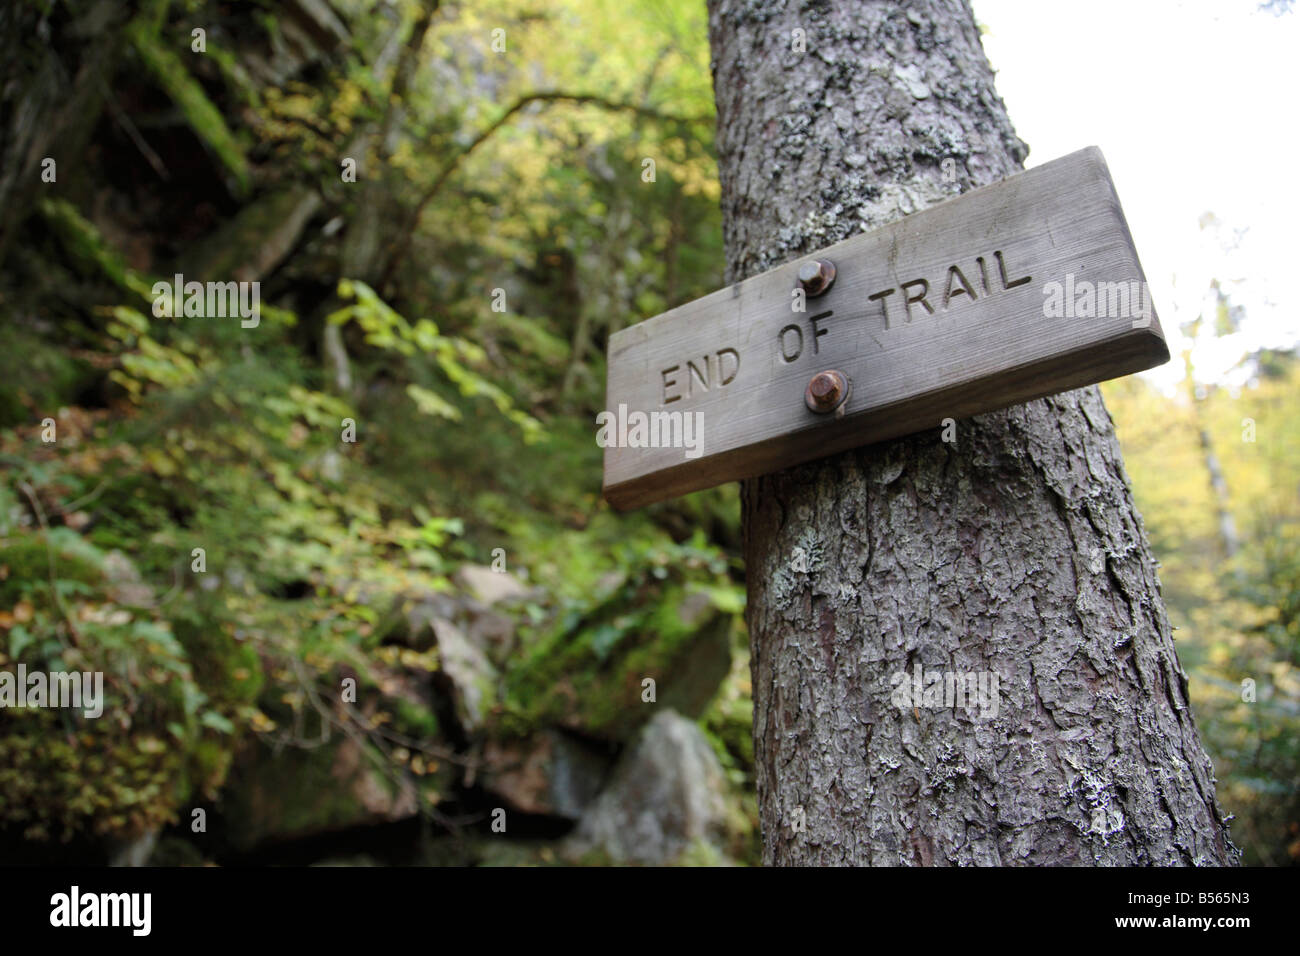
(816, 276)
(826, 391)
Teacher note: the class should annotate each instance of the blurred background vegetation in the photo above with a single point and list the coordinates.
(455, 561)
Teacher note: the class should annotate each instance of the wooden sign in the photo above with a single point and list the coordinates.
(1014, 291)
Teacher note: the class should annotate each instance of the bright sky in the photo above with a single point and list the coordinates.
(1194, 104)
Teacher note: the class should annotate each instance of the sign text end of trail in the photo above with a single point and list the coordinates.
(1013, 291)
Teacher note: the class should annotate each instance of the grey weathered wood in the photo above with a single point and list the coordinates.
(987, 344)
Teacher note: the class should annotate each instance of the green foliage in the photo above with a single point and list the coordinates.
(63, 772)
(87, 249)
(668, 619)
(385, 329)
(34, 375)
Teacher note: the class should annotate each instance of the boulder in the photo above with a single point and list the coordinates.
(134, 852)
(468, 670)
(490, 587)
(589, 676)
(551, 773)
(665, 797)
(418, 614)
(492, 632)
(295, 793)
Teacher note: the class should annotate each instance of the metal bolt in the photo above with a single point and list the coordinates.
(826, 391)
(816, 276)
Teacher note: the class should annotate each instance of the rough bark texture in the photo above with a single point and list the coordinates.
(1016, 551)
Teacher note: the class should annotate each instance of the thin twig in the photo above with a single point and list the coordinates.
(403, 241)
(145, 150)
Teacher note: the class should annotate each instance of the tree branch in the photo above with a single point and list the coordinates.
(403, 242)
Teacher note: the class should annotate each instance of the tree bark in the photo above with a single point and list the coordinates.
(1015, 551)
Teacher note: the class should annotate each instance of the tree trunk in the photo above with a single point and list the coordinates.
(1229, 543)
(1015, 552)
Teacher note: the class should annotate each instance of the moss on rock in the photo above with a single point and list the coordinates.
(589, 674)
